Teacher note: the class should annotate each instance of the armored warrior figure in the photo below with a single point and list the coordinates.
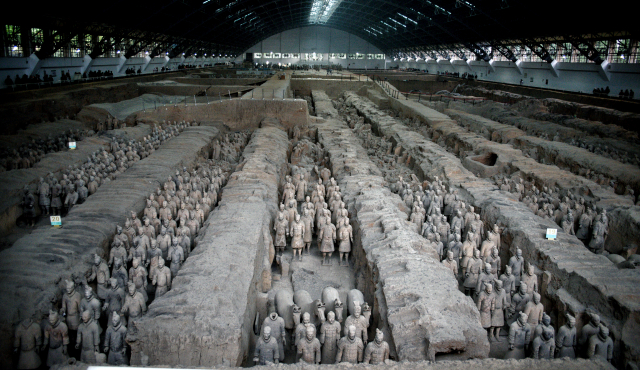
(377, 351)
(267, 351)
(350, 347)
(329, 337)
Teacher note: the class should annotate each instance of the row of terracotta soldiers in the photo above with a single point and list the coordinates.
(336, 343)
(323, 211)
(77, 183)
(79, 317)
(29, 154)
(569, 211)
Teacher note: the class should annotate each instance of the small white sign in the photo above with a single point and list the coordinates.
(56, 221)
(72, 145)
(552, 233)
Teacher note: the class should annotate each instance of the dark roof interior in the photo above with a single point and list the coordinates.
(391, 25)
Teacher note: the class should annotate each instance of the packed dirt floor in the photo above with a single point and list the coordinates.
(312, 220)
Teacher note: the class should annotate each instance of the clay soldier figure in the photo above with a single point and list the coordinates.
(56, 202)
(119, 272)
(345, 235)
(163, 242)
(122, 237)
(71, 306)
(301, 190)
(588, 330)
(497, 315)
(90, 303)
(519, 301)
(297, 231)
(114, 343)
(544, 325)
(534, 310)
(474, 267)
(517, 263)
(494, 260)
(519, 337)
(451, 263)
(92, 187)
(28, 207)
(567, 339)
(43, 196)
(377, 351)
(544, 345)
(350, 347)
(138, 276)
(27, 340)
(531, 279)
(327, 237)
(176, 256)
(71, 198)
(309, 347)
(115, 299)
(162, 278)
(99, 273)
(596, 245)
(301, 328)
(486, 305)
(88, 338)
(281, 227)
(276, 324)
(486, 277)
(134, 303)
(601, 345)
(267, 351)
(117, 251)
(467, 253)
(359, 322)
(56, 337)
(83, 192)
(329, 337)
(508, 281)
(307, 220)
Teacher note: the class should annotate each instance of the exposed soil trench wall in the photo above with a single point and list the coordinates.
(416, 299)
(573, 278)
(32, 269)
(236, 114)
(206, 319)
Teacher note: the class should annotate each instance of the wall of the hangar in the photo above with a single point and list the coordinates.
(320, 40)
(577, 77)
(12, 66)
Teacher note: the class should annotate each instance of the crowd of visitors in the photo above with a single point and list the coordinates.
(623, 94)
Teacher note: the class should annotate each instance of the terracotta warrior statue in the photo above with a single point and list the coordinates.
(27, 341)
(358, 321)
(329, 337)
(281, 227)
(162, 278)
(497, 315)
(566, 340)
(114, 343)
(327, 237)
(601, 345)
(486, 305)
(377, 351)
(451, 263)
(100, 273)
(350, 347)
(309, 347)
(71, 306)
(519, 337)
(267, 351)
(345, 235)
(90, 303)
(297, 232)
(276, 324)
(56, 337)
(134, 303)
(88, 338)
(307, 220)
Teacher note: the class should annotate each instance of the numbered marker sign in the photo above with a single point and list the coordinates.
(552, 233)
(72, 145)
(56, 221)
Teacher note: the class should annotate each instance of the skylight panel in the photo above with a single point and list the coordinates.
(322, 10)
